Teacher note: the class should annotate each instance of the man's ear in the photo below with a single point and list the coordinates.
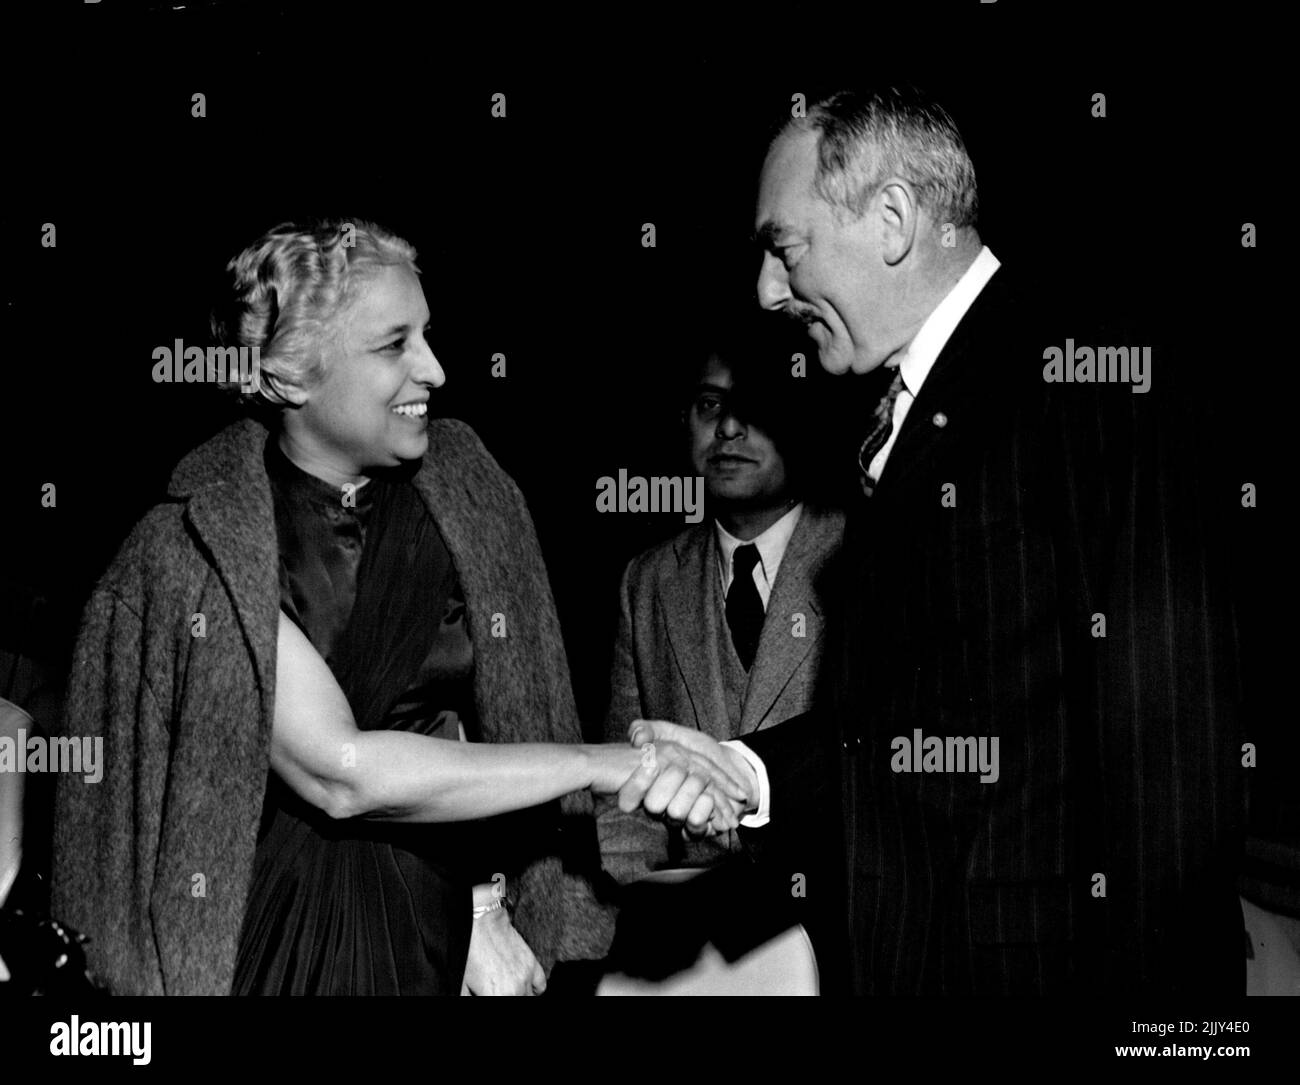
(896, 209)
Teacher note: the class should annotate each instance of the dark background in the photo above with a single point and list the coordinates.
(529, 233)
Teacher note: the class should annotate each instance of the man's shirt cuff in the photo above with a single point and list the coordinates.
(763, 814)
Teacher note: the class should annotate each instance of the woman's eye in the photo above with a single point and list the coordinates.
(790, 254)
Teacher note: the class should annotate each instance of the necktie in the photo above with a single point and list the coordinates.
(880, 431)
(744, 605)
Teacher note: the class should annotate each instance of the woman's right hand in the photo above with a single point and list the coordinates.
(317, 750)
(708, 800)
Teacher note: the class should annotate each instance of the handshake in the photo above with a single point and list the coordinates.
(680, 774)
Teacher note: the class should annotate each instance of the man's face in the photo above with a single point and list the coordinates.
(369, 410)
(740, 463)
(825, 273)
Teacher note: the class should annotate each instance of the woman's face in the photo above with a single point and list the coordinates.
(369, 409)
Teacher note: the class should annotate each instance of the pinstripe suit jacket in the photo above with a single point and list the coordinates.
(1119, 755)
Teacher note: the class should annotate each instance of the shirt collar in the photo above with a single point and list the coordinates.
(771, 543)
(924, 349)
(300, 485)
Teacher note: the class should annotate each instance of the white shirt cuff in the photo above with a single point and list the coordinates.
(763, 814)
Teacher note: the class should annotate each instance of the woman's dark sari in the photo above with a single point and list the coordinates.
(361, 907)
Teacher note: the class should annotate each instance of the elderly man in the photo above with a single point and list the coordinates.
(1033, 752)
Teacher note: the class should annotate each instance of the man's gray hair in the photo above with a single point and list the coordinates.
(868, 137)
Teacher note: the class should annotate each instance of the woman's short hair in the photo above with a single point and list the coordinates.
(284, 291)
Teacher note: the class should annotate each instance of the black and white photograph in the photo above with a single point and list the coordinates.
(647, 504)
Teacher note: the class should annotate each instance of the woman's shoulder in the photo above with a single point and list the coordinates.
(156, 555)
(453, 436)
(456, 449)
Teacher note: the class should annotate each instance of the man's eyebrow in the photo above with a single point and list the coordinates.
(769, 234)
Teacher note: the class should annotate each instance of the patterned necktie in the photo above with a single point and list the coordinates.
(884, 426)
(744, 604)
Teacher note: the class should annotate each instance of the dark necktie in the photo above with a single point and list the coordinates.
(880, 431)
(744, 604)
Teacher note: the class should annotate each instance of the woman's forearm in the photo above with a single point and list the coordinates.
(408, 777)
(320, 754)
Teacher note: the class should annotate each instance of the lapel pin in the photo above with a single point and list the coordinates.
(940, 419)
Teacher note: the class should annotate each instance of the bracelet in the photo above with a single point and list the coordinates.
(483, 909)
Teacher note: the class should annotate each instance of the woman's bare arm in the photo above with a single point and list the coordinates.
(320, 754)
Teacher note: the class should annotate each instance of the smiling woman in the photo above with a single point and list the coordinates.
(344, 320)
(368, 409)
(264, 821)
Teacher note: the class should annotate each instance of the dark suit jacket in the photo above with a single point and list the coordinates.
(666, 666)
(1119, 755)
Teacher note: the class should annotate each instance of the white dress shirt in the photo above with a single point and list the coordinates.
(922, 352)
(771, 549)
(915, 363)
(771, 545)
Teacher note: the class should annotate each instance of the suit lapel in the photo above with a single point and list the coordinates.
(780, 653)
(692, 604)
(953, 400)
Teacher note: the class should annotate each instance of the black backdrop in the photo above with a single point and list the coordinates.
(529, 229)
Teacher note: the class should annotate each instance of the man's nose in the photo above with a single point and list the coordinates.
(729, 426)
(426, 368)
(773, 283)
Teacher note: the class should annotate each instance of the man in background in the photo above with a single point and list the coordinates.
(720, 628)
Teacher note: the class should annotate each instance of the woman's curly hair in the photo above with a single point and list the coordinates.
(284, 291)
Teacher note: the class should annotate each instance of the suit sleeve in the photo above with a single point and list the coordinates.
(106, 833)
(631, 845)
(802, 761)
